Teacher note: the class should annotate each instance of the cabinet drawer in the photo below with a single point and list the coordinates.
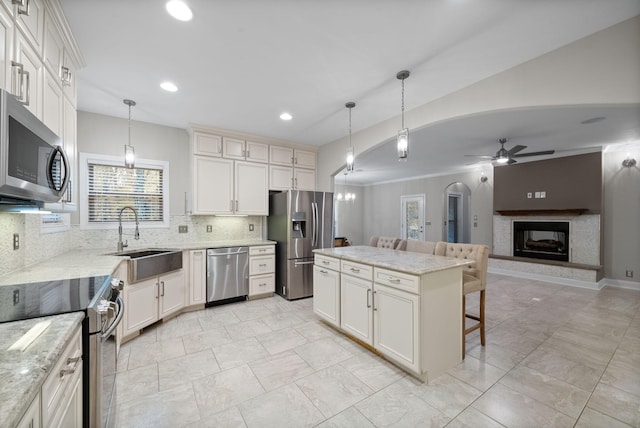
(260, 265)
(61, 378)
(262, 284)
(262, 250)
(357, 269)
(401, 281)
(327, 262)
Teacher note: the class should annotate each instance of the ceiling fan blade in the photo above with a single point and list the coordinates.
(511, 161)
(480, 156)
(545, 152)
(515, 149)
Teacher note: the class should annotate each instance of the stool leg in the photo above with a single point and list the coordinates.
(482, 335)
(464, 317)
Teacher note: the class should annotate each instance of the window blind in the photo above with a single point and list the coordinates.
(110, 188)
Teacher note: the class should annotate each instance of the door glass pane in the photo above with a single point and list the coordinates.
(412, 220)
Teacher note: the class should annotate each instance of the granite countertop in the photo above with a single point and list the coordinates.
(401, 261)
(23, 372)
(99, 261)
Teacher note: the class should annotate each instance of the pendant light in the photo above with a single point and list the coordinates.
(350, 153)
(129, 152)
(403, 134)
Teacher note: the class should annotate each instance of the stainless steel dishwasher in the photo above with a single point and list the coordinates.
(227, 274)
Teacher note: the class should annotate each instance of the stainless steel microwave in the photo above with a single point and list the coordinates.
(33, 164)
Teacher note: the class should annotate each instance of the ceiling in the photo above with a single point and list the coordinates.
(239, 64)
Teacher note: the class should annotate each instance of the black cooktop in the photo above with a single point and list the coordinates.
(39, 299)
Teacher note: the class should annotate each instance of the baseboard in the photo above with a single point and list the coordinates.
(632, 285)
(553, 279)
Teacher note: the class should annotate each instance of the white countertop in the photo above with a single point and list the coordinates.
(99, 261)
(401, 261)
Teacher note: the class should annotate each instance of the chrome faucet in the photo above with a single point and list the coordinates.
(122, 245)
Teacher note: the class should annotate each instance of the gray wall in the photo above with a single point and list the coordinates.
(349, 215)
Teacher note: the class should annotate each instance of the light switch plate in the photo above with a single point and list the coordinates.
(209, 228)
(543, 194)
(537, 194)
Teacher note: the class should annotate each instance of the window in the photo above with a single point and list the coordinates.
(108, 186)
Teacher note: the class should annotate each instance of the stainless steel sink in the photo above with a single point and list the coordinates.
(151, 262)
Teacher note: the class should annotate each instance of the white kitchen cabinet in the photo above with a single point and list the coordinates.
(251, 188)
(257, 152)
(262, 268)
(326, 289)
(396, 316)
(152, 299)
(68, 76)
(197, 277)
(53, 49)
(233, 148)
(31, 24)
(285, 178)
(280, 155)
(71, 415)
(304, 159)
(6, 48)
(212, 185)
(69, 139)
(53, 104)
(207, 144)
(356, 314)
(31, 418)
(27, 75)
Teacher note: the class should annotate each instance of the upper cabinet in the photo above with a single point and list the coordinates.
(207, 144)
(245, 150)
(304, 159)
(280, 155)
(30, 20)
(6, 47)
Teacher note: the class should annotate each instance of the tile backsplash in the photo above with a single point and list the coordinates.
(35, 247)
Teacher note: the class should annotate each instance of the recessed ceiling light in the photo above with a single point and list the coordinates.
(179, 10)
(286, 116)
(168, 86)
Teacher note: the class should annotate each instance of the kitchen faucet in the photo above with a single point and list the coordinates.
(122, 245)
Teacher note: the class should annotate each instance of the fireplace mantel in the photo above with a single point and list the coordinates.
(564, 212)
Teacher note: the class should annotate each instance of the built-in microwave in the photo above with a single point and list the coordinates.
(33, 164)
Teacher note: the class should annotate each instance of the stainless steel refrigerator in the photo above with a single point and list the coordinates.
(300, 222)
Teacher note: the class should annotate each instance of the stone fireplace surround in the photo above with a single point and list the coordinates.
(584, 267)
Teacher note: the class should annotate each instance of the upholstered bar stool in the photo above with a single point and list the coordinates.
(384, 242)
(474, 279)
(415, 246)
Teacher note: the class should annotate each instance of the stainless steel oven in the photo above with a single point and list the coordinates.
(104, 313)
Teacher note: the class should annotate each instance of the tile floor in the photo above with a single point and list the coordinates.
(555, 356)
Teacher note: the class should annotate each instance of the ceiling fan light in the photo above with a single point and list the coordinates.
(502, 159)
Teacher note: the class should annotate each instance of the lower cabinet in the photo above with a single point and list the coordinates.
(356, 314)
(150, 300)
(31, 418)
(262, 268)
(197, 277)
(326, 293)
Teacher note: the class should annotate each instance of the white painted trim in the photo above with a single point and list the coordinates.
(631, 285)
(548, 278)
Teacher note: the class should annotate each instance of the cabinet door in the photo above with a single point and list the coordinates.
(53, 49)
(326, 294)
(69, 138)
(252, 190)
(304, 179)
(212, 185)
(280, 177)
(28, 85)
(304, 159)
(257, 152)
(232, 148)
(71, 413)
(6, 49)
(395, 316)
(171, 293)
(356, 315)
(68, 76)
(31, 418)
(52, 106)
(31, 25)
(280, 155)
(262, 284)
(207, 144)
(198, 277)
(141, 305)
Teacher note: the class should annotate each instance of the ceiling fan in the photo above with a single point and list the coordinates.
(504, 156)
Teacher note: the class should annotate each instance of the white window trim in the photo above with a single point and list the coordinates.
(86, 158)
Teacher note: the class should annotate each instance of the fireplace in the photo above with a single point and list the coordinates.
(547, 240)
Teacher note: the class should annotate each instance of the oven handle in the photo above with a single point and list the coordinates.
(105, 335)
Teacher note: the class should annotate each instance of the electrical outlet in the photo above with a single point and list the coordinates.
(209, 228)
(183, 229)
(16, 241)
(475, 224)
(16, 297)
(629, 274)
(250, 227)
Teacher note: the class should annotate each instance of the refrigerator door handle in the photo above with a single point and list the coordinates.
(296, 264)
(314, 232)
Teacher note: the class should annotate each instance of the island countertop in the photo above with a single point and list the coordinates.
(24, 371)
(401, 261)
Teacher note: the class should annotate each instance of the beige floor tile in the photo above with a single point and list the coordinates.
(247, 312)
(171, 408)
(585, 339)
(623, 376)
(397, 406)
(513, 409)
(333, 389)
(349, 418)
(218, 320)
(323, 353)
(447, 394)
(495, 355)
(281, 369)
(593, 419)
(205, 340)
(314, 330)
(616, 403)
(373, 370)
(230, 418)
(246, 329)
(151, 353)
(281, 320)
(137, 383)
(280, 341)
(238, 353)
(221, 391)
(472, 418)
(476, 373)
(554, 393)
(185, 369)
(177, 328)
(281, 408)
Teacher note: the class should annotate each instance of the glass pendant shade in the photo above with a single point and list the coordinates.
(403, 144)
(129, 156)
(350, 159)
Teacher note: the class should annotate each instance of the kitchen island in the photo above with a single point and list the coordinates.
(405, 306)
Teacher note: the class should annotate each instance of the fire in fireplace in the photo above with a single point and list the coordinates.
(548, 240)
